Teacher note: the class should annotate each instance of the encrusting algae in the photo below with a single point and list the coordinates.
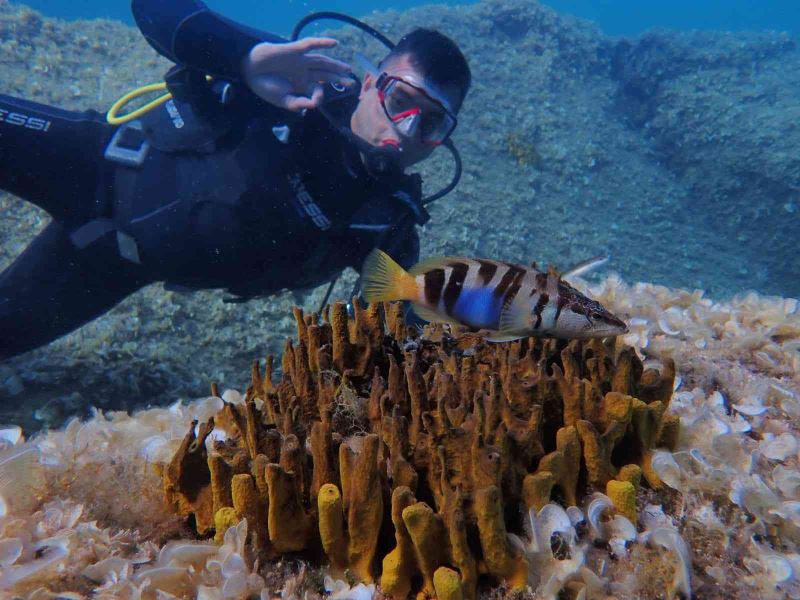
(453, 437)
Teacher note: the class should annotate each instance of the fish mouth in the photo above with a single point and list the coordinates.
(604, 331)
(611, 325)
(613, 331)
(620, 327)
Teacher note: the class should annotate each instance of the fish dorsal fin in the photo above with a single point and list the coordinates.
(434, 262)
(584, 267)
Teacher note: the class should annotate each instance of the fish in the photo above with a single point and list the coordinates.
(503, 300)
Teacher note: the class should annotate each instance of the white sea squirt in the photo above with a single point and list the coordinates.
(670, 539)
(787, 481)
(663, 463)
(617, 530)
(778, 447)
(339, 590)
(548, 571)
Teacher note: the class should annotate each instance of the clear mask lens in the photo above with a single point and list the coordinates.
(409, 124)
(412, 111)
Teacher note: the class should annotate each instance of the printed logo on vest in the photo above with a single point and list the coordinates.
(174, 114)
(304, 204)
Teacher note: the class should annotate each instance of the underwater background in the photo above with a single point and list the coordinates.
(665, 135)
(614, 17)
(672, 151)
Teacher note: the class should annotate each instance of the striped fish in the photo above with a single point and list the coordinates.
(508, 300)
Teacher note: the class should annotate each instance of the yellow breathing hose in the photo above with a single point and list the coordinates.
(113, 117)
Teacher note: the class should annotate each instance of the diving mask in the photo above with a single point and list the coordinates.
(413, 107)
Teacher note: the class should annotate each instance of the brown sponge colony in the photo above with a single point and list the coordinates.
(407, 457)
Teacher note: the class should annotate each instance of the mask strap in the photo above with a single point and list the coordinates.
(366, 65)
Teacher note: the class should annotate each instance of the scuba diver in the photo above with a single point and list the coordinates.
(267, 165)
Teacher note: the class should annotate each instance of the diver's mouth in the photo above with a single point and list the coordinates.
(390, 142)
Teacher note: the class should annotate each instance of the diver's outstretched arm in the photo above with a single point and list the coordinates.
(188, 33)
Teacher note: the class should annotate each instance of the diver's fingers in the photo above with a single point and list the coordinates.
(317, 95)
(268, 55)
(272, 89)
(320, 61)
(310, 43)
(324, 76)
(297, 103)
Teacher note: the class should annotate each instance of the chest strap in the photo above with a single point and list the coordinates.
(128, 148)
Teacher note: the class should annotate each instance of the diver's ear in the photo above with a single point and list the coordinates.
(366, 84)
(369, 81)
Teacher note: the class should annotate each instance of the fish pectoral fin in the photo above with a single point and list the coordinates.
(513, 317)
(430, 315)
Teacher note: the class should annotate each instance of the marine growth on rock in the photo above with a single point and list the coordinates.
(406, 458)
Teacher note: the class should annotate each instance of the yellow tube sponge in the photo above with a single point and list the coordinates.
(646, 423)
(400, 565)
(447, 584)
(363, 504)
(631, 473)
(536, 489)
(623, 495)
(569, 443)
(289, 526)
(426, 530)
(224, 518)
(331, 526)
(247, 505)
(221, 474)
(502, 560)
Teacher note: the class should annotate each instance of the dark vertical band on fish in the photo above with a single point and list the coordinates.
(455, 282)
(434, 284)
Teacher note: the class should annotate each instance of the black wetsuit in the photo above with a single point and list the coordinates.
(230, 191)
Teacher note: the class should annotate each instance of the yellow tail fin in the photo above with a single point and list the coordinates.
(382, 279)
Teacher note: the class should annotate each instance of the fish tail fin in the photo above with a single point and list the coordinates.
(383, 279)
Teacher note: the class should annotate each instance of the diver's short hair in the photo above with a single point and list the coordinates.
(437, 57)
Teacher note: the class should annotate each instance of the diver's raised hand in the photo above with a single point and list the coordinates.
(291, 75)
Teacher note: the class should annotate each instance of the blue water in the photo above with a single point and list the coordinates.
(615, 17)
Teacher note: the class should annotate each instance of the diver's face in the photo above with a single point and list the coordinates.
(370, 122)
